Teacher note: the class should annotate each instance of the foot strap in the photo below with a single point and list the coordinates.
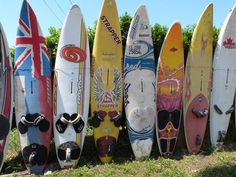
(33, 120)
(115, 117)
(200, 114)
(98, 117)
(76, 120)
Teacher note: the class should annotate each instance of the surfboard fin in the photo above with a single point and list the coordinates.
(68, 151)
(33, 120)
(4, 127)
(217, 109)
(230, 110)
(200, 114)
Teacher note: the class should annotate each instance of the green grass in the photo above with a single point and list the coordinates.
(209, 162)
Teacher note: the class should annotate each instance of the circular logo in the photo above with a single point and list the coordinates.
(73, 54)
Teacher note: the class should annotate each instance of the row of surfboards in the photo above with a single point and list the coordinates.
(150, 99)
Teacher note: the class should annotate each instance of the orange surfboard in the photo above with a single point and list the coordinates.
(170, 76)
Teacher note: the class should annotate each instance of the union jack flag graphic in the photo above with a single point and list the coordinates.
(31, 51)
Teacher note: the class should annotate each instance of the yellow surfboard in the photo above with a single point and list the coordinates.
(107, 81)
(197, 83)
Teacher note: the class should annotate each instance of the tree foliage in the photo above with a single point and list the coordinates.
(91, 35)
(52, 43)
(125, 21)
(158, 36)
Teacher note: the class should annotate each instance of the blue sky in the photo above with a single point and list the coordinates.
(163, 12)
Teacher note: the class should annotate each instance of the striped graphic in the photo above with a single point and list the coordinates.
(82, 74)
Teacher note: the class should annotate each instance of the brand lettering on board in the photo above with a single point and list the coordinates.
(110, 29)
(134, 27)
(229, 43)
(135, 49)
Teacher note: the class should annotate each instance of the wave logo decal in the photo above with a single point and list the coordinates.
(73, 54)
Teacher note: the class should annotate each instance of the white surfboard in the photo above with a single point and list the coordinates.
(139, 78)
(71, 89)
(6, 95)
(224, 80)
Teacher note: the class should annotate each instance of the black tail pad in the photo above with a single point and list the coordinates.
(35, 154)
(74, 147)
(175, 118)
(163, 119)
(106, 146)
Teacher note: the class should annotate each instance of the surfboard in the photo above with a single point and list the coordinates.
(6, 95)
(71, 89)
(170, 77)
(224, 81)
(140, 87)
(107, 81)
(197, 84)
(33, 91)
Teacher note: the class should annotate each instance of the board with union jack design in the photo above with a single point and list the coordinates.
(33, 91)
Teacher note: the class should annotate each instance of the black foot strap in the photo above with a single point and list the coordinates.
(200, 114)
(231, 109)
(68, 151)
(98, 117)
(115, 117)
(217, 109)
(4, 127)
(35, 154)
(75, 120)
(33, 120)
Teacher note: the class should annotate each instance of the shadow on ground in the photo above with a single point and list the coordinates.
(224, 170)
